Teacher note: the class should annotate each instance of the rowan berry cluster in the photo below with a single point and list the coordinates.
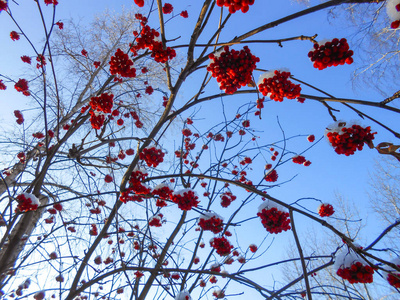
(136, 187)
(3, 5)
(121, 64)
(235, 5)
(41, 61)
(394, 279)
(221, 245)
(14, 35)
(347, 140)
(253, 248)
(103, 103)
(148, 38)
(19, 116)
(167, 8)
(163, 191)
(93, 230)
(22, 86)
(47, 2)
(325, 210)
(227, 198)
(27, 202)
(273, 218)
(271, 176)
(333, 53)
(139, 3)
(152, 156)
(2, 85)
(186, 199)
(277, 86)
(232, 69)
(356, 273)
(211, 222)
(155, 221)
(100, 105)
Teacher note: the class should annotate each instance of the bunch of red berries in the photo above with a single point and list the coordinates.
(325, 210)
(19, 116)
(136, 187)
(103, 103)
(347, 140)
(186, 199)
(277, 86)
(3, 5)
(149, 39)
(273, 219)
(232, 69)
(221, 245)
(121, 64)
(139, 3)
(330, 54)
(356, 273)
(163, 191)
(394, 277)
(235, 5)
(27, 202)
(155, 221)
(22, 86)
(93, 231)
(211, 222)
(227, 198)
(271, 176)
(21, 156)
(152, 156)
(97, 120)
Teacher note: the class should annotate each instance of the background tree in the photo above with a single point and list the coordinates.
(117, 184)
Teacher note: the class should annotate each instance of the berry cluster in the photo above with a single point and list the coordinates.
(163, 191)
(139, 3)
(19, 116)
(273, 218)
(347, 140)
(394, 279)
(136, 187)
(100, 105)
(186, 199)
(227, 198)
(22, 86)
(235, 5)
(3, 5)
(167, 8)
(14, 35)
(41, 61)
(276, 85)
(103, 103)
(212, 222)
(27, 202)
(253, 248)
(271, 176)
(156, 221)
(356, 273)
(232, 69)
(3, 87)
(221, 245)
(121, 64)
(152, 156)
(325, 210)
(148, 38)
(333, 53)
